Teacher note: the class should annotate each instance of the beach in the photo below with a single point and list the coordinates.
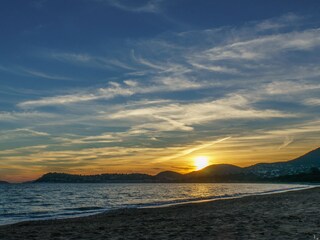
(289, 215)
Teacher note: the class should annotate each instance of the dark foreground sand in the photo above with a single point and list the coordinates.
(291, 215)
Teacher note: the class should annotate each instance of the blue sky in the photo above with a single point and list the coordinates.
(93, 86)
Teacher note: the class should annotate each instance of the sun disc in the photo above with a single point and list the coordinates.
(201, 162)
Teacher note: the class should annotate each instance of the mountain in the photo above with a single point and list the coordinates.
(296, 166)
(3, 182)
(304, 168)
(221, 173)
(311, 176)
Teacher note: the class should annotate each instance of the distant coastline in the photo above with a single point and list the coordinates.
(302, 169)
(307, 177)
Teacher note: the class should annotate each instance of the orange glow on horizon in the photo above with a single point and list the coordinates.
(146, 161)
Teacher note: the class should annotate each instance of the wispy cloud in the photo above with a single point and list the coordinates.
(23, 71)
(177, 116)
(215, 68)
(25, 116)
(89, 60)
(24, 131)
(287, 140)
(285, 87)
(166, 84)
(45, 75)
(287, 20)
(149, 6)
(312, 101)
(264, 47)
(189, 150)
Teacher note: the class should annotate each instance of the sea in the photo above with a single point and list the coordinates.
(25, 202)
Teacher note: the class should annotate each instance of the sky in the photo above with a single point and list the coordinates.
(119, 86)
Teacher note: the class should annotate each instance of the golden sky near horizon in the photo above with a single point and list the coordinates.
(179, 159)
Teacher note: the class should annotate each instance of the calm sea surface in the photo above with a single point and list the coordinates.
(21, 202)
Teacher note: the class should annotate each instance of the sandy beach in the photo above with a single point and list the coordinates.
(290, 215)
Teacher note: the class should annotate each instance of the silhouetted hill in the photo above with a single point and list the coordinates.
(296, 166)
(312, 176)
(216, 170)
(169, 176)
(302, 169)
(3, 182)
(102, 178)
(221, 173)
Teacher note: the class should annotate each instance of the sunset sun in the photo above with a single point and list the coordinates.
(201, 162)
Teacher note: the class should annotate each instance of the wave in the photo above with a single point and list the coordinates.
(83, 208)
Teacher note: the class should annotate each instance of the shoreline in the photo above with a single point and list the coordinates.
(232, 197)
(286, 215)
(166, 204)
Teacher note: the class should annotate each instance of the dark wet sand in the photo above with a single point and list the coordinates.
(291, 215)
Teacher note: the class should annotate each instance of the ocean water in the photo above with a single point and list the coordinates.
(23, 202)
